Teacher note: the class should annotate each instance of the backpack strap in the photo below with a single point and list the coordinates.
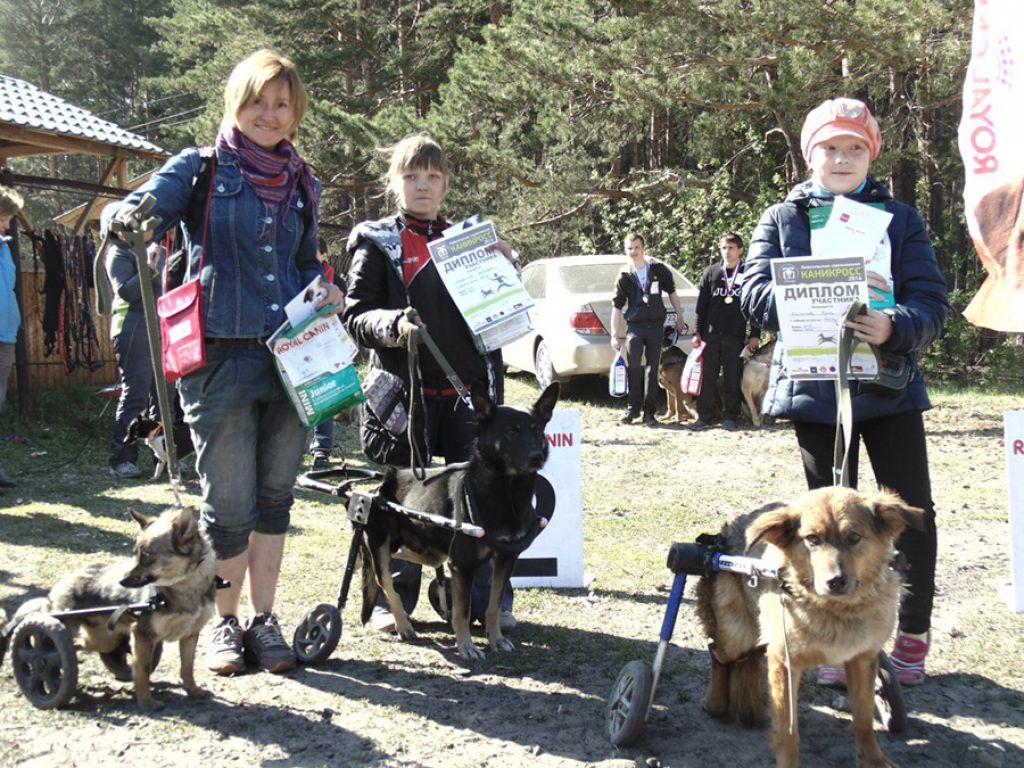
(178, 258)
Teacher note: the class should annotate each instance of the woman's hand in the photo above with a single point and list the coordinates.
(878, 287)
(333, 295)
(875, 327)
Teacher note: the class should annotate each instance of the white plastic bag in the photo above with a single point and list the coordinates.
(618, 380)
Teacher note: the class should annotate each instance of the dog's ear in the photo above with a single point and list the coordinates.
(144, 521)
(483, 406)
(545, 404)
(777, 524)
(184, 529)
(892, 514)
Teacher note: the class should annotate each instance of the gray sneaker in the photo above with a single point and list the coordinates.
(264, 641)
(507, 621)
(126, 470)
(224, 656)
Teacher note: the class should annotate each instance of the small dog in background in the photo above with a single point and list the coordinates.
(173, 559)
(670, 375)
(834, 603)
(754, 382)
(151, 432)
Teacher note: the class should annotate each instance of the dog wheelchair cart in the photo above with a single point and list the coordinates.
(319, 631)
(633, 693)
(43, 654)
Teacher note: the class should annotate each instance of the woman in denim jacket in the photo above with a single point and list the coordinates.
(261, 252)
(840, 140)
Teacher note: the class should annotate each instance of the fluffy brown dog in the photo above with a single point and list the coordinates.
(670, 374)
(834, 603)
(172, 559)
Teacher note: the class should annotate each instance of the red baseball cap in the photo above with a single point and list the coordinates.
(840, 117)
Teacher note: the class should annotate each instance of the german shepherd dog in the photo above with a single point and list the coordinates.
(494, 490)
(151, 432)
(834, 603)
(754, 381)
(670, 375)
(174, 559)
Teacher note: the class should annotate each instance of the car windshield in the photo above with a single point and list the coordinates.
(600, 278)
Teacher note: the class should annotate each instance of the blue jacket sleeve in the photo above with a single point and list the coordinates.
(172, 188)
(757, 299)
(922, 303)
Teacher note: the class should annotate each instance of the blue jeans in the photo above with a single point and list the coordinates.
(131, 348)
(323, 437)
(249, 444)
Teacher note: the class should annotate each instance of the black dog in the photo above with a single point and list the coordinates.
(493, 490)
(152, 434)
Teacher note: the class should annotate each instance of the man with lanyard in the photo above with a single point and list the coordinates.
(723, 330)
(638, 290)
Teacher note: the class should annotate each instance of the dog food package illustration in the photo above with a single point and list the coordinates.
(482, 283)
(693, 371)
(314, 360)
(181, 330)
(618, 380)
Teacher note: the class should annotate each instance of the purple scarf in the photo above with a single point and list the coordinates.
(272, 173)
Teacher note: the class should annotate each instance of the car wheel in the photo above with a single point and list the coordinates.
(544, 371)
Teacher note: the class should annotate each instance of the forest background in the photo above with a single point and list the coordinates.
(568, 122)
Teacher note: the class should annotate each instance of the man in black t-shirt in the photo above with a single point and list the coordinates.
(723, 329)
(638, 305)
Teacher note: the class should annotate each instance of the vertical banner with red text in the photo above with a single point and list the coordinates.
(993, 155)
(1013, 429)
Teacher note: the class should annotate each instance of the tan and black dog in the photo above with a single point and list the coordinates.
(754, 382)
(670, 375)
(834, 603)
(173, 559)
(493, 490)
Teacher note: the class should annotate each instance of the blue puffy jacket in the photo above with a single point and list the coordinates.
(921, 303)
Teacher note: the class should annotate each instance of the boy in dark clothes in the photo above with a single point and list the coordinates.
(723, 330)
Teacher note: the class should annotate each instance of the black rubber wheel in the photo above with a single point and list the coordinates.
(544, 370)
(434, 595)
(44, 660)
(889, 704)
(317, 635)
(119, 662)
(628, 703)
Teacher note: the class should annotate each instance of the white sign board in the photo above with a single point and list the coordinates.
(555, 559)
(1013, 429)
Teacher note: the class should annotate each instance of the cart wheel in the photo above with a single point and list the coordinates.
(317, 635)
(628, 703)
(44, 660)
(889, 704)
(119, 662)
(434, 595)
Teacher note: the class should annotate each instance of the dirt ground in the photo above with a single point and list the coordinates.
(381, 702)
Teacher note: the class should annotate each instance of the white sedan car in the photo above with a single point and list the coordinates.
(572, 314)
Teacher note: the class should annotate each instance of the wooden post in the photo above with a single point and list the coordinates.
(20, 356)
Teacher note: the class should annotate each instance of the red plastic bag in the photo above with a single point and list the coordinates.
(693, 371)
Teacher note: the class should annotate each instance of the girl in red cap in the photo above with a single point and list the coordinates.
(840, 139)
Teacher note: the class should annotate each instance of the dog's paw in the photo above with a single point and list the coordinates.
(406, 633)
(502, 644)
(470, 652)
(150, 705)
(195, 692)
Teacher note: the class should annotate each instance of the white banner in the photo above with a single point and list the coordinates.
(993, 155)
(555, 559)
(1013, 430)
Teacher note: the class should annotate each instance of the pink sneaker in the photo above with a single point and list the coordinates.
(907, 657)
(833, 677)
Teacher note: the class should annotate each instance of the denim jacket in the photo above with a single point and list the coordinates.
(256, 263)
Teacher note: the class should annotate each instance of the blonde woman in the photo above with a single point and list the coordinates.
(260, 251)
